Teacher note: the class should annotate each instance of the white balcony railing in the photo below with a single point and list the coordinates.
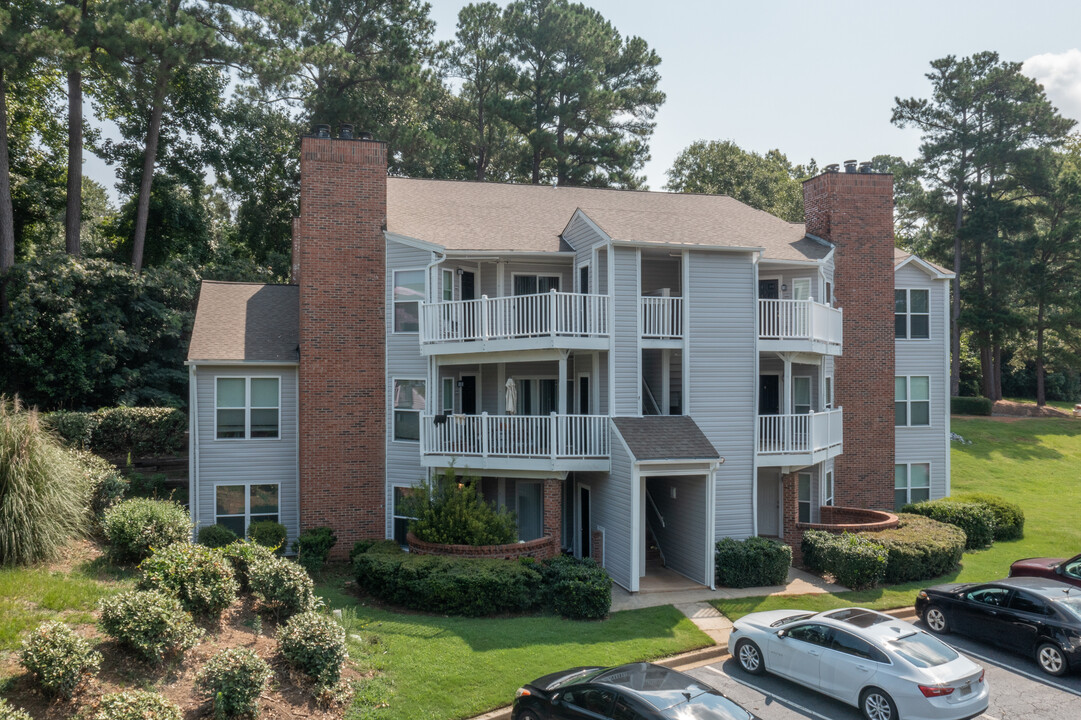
(516, 316)
(799, 434)
(662, 317)
(799, 320)
(556, 437)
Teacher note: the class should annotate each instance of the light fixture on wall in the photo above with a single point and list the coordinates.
(459, 271)
(784, 288)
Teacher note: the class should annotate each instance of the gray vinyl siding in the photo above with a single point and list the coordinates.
(404, 361)
(721, 299)
(602, 272)
(261, 460)
(682, 539)
(927, 357)
(610, 508)
(626, 358)
(661, 272)
(602, 384)
(583, 238)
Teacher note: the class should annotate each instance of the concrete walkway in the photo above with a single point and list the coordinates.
(686, 593)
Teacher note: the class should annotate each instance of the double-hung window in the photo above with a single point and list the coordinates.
(805, 497)
(911, 483)
(801, 289)
(401, 520)
(409, 401)
(911, 317)
(238, 506)
(912, 401)
(247, 407)
(408, 294)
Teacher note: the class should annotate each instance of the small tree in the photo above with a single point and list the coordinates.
(452, 511)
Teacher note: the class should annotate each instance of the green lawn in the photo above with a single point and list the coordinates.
(1033, 462)
(444, 667)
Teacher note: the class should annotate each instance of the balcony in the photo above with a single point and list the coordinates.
(799, 326)
(516, 322)
(515, 442)
(800, 440)
(662, 320)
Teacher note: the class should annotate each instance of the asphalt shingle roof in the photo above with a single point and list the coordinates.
(665, 437)
(246, 322)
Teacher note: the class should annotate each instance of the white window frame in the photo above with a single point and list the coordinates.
(394, 301)
(908, 481)
(799, 501)
(394, 410)
(535, 390)
(537, 275)
(908, 313)
(446, 399)
(247, 485)
(448, 284)
(247, 407)
(801, 281)
(393, 509)
(810, 395)
(828, 404)
(908, 401)
(827, 488)
(578, 276)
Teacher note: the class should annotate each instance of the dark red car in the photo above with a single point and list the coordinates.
(1067, 571)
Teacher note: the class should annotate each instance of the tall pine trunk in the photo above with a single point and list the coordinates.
(955, 308)
(1041, 391)
(153, 133)
(74, 215)
(7, 215)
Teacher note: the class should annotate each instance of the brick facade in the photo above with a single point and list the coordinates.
(340, 265)
(553, 509)
(854, 211)
(542, 548)
(790, 515)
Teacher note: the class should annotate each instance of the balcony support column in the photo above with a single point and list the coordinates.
(666, 381)
(553, 513)
(561, 391)
(786, 400)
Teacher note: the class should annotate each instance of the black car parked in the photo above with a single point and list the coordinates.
(640, 691)
(1036, 617)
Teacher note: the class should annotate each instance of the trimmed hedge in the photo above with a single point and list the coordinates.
(134, 527)
(314, 644)
(283, 587)
(199, 577)
(216, 536)
(234, 679)
(149, 622)
(59, 659)
(976, 520)
(1009, 517)
(477, 587)
(752, 562)
(854, 561)
(123, 430)
(970, 406)
(919, 548)
(313, 547)
(242, 555)
(269, 534)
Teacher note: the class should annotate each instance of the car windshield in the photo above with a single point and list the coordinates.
(584, 676)
(922, 650)
(789, 620)
(711, 706)
(1072, 606)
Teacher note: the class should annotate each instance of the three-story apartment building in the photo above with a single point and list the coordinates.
(624, 370)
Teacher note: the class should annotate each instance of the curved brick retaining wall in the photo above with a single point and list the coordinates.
(541, 549)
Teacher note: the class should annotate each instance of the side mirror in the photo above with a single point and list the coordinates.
(782, 633)
(1058, 569)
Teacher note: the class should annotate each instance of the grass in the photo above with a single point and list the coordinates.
(1060, 404)
(1031, 461)
(445, 667)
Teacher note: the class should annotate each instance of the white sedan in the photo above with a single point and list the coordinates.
(887, 668)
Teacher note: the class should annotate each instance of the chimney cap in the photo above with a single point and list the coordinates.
(833, 167)
(865, 167)
(345, 131)
(365, 135)
(850, 166)
(322, 130)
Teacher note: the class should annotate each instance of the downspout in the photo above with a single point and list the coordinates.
(193, 447)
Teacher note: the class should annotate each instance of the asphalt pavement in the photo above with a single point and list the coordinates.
(1019, 689)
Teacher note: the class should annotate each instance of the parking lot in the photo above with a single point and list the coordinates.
(1019, 690)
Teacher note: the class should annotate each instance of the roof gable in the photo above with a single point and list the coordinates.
(246, 322)
(665, 437)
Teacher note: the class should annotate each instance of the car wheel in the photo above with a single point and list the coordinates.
(749, 657)
(936, 620)
(1050, 659)
(527, 715)
(876, 704)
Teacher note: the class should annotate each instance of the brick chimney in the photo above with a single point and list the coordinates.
(854, 211)
(339, 262)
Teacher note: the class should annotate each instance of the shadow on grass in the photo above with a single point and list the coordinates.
(101, 568)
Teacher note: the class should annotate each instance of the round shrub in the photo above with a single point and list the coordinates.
(107, 484)
(136, 705)
(977, 521)
(752, 562)
(241, 555)
(315, 645)
(919, 548)
(216, 536)
(44, 493)
(149, 622)
(136, 526)
(234, 679)
(576, 589)
(1009, 517)
(453, 512)
(970, 406)
(199, 577)
(313, 547)
(268, 534)
(58, 658)
(10, 712)
(854, 561)
(282, 586)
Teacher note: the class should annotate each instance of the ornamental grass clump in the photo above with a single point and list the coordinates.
(44, 493)
(314, 644)
(199, 577)
(150, 622)
(58, 659)
(135, 527)
(234, 679)
(136, 705)
(451, 511)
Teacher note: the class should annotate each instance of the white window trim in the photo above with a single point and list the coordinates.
(247, 408)
(908, 315)
(810, 479)
(908, 478)
(445, 285)
(578, 276)
(810, 394)
(536, 389)
(393, 515)
(537, 275)
(828, 392)
(577, 394)
(828, 488)
(801, 281)
(420, 413)
(908, 401)
(246, 484)
(443, 395)
(394, 302)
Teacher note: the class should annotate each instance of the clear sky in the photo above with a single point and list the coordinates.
(816, 78)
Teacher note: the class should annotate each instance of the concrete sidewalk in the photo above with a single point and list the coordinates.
(685, 592)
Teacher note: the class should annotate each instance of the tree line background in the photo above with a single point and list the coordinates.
(210, 97)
